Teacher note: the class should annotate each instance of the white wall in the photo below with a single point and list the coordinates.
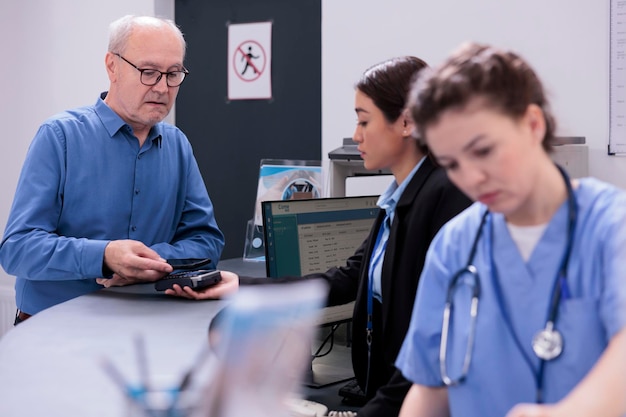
(566, 41)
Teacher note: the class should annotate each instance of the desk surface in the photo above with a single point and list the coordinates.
(249, 268)
(50, 364)
(246, 268)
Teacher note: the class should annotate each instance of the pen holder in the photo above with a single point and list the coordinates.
(163, 403)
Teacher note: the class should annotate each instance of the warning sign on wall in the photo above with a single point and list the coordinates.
(249, 61)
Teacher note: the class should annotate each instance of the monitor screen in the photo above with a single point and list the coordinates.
(306, 236)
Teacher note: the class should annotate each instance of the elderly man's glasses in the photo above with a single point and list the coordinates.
(151, 77)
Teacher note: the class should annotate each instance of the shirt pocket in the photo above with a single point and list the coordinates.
(584, 340)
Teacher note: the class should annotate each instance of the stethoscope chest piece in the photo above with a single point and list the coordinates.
(548, 343)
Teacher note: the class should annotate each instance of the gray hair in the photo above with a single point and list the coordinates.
(121, 29)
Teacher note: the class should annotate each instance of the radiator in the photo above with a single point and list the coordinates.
(7, 309)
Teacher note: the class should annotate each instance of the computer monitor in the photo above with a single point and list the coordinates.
(313, 235)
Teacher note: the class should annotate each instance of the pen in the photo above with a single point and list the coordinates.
(564, 287)
(119, 380)
(136, 395)
(142, 361)
(188, 375)
(112, 372)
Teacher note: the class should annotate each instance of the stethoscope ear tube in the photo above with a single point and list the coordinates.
(443, 347)
(472, 271)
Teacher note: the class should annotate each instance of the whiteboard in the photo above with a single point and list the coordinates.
(617, 78)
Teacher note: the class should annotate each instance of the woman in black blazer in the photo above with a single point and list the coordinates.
(427, 203)
(419, 202)
(385, 138)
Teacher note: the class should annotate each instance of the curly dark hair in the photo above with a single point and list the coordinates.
(502, 78)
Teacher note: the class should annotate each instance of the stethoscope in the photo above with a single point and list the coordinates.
(547, 343)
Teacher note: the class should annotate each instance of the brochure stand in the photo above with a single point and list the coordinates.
(280, 179)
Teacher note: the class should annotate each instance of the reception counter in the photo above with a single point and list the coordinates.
(50, 365)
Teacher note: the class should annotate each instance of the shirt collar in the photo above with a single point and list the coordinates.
(113, 122)
(389, 199)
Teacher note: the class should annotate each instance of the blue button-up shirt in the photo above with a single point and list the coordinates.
(388, 202)
(85, 182)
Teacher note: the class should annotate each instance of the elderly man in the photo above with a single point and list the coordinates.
(108, 192)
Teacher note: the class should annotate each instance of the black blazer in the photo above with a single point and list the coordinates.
(428, 202)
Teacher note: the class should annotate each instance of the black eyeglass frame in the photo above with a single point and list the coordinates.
(161, 73)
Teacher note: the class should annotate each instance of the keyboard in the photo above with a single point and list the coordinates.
(352, 393)
(305, 408)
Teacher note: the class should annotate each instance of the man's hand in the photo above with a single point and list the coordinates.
(119, 281)
(228, 285)
(132, 262)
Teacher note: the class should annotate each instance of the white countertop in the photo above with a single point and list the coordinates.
(50, 364)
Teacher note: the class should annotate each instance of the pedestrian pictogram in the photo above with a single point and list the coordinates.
(249, 60)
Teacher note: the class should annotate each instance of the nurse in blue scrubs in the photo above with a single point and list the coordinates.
(520, 309)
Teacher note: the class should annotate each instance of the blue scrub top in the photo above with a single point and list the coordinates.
(499, 377)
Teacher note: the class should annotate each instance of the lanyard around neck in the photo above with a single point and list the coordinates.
(380, 254)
